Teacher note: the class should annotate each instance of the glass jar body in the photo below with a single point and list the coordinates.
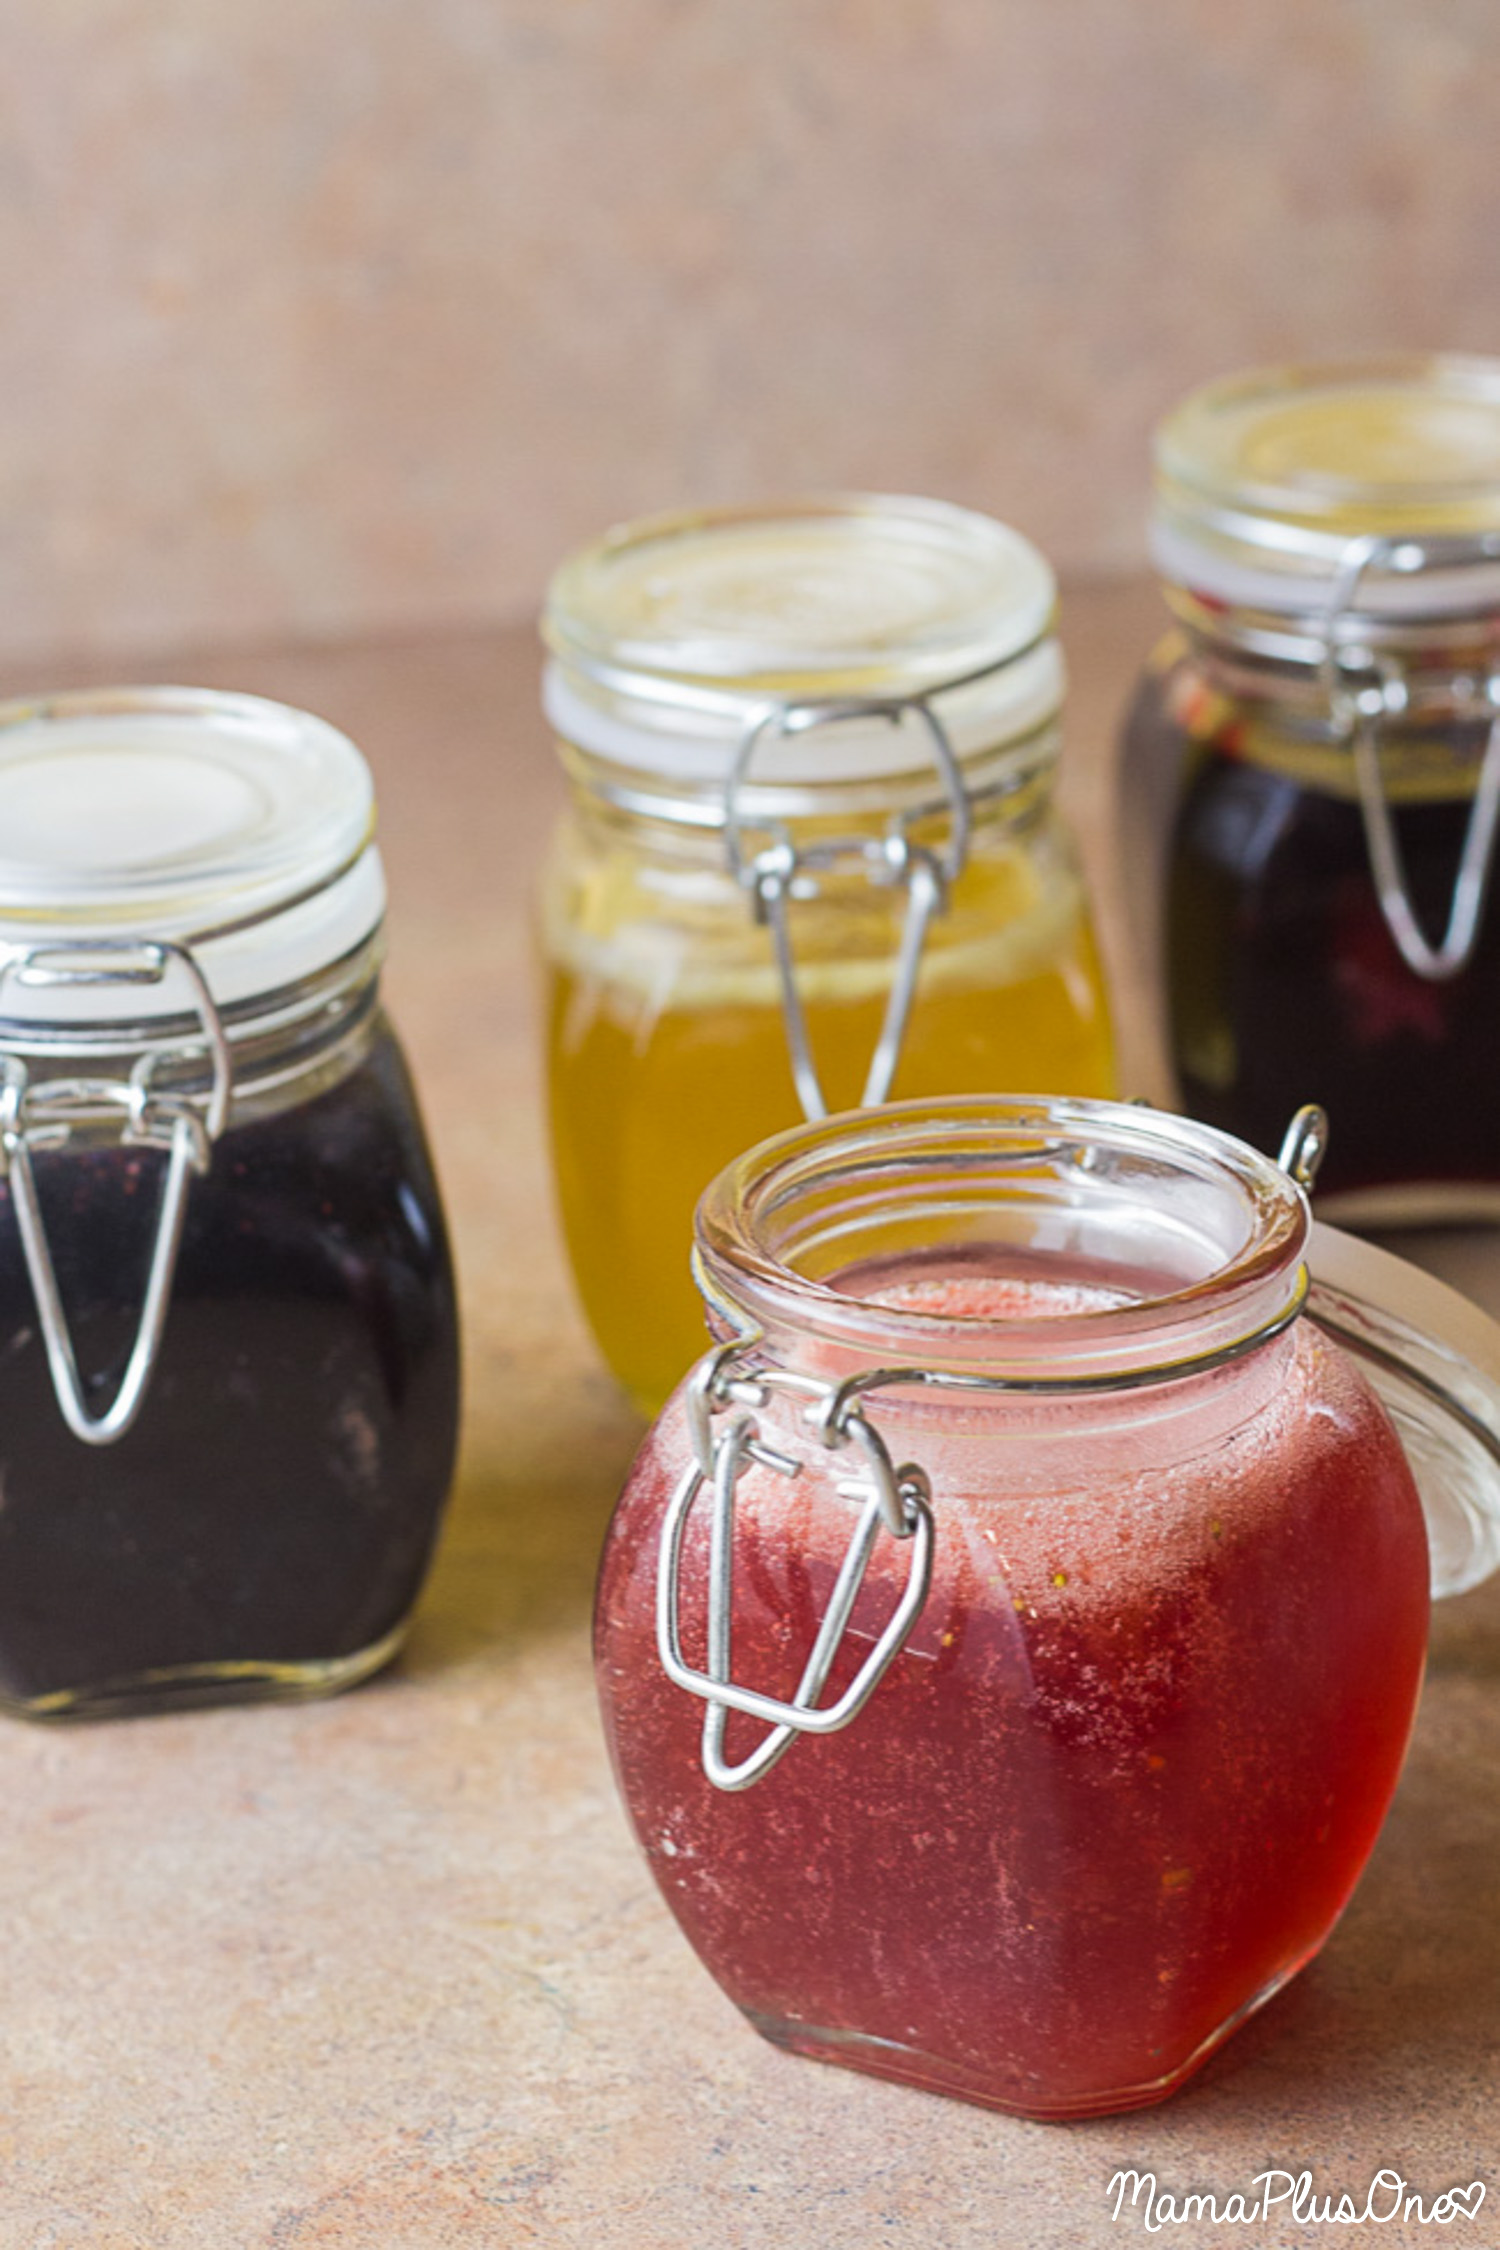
(667, 1043)
(1121, 1780)
(1284, 982)
(264, 1527)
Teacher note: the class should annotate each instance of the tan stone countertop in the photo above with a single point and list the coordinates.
(386, 1973)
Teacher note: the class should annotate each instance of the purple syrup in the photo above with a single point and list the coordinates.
(1285, 985)
(277, 1501)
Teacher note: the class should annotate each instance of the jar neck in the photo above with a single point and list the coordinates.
(282, 1048)
(876, 739)
(1008, 786)
(1446, 666)
(1008, 1250)
(1055, 1440)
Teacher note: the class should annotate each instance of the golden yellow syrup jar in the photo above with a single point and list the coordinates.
(810, 859)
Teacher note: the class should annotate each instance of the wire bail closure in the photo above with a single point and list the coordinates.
(782, 873)
(44, 1114)
(1358, 713)
(895, 1500)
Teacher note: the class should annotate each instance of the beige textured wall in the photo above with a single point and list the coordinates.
(327, 316)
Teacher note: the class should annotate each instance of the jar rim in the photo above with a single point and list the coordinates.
(947, 1178)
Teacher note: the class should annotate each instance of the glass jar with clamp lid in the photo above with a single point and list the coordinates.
(810, 859)
(228, 1346)
(1328, 710)
(1028, 1569)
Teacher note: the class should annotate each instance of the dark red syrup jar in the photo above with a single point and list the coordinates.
(228, 1341)
(1008, 1639)
(1319, 742)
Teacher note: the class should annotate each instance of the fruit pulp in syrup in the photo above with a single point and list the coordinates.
(1124, 1776)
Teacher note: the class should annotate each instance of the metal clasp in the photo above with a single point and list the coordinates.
(782, 873)
(895, 1499)
(1358, 713)
(44, 1114)
(1304, 1146)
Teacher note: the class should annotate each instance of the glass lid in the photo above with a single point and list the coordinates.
(1265, 480)
(143, 816)
(1434, 1359)
(670, 636)
(857, 594)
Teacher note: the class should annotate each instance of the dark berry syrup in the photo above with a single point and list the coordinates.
(273, 1509)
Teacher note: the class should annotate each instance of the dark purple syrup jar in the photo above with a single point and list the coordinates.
(1327, 717)
(228, 1336)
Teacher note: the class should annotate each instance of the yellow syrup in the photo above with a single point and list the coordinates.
(668, 1057)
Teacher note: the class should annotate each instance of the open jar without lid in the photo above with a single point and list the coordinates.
(1026, 1569)
(228, 1377)
(810, 858)
(1329, 711)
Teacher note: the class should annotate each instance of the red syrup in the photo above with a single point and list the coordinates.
(1125, 1775)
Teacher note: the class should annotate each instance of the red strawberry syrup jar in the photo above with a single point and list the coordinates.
(1009, 1636)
